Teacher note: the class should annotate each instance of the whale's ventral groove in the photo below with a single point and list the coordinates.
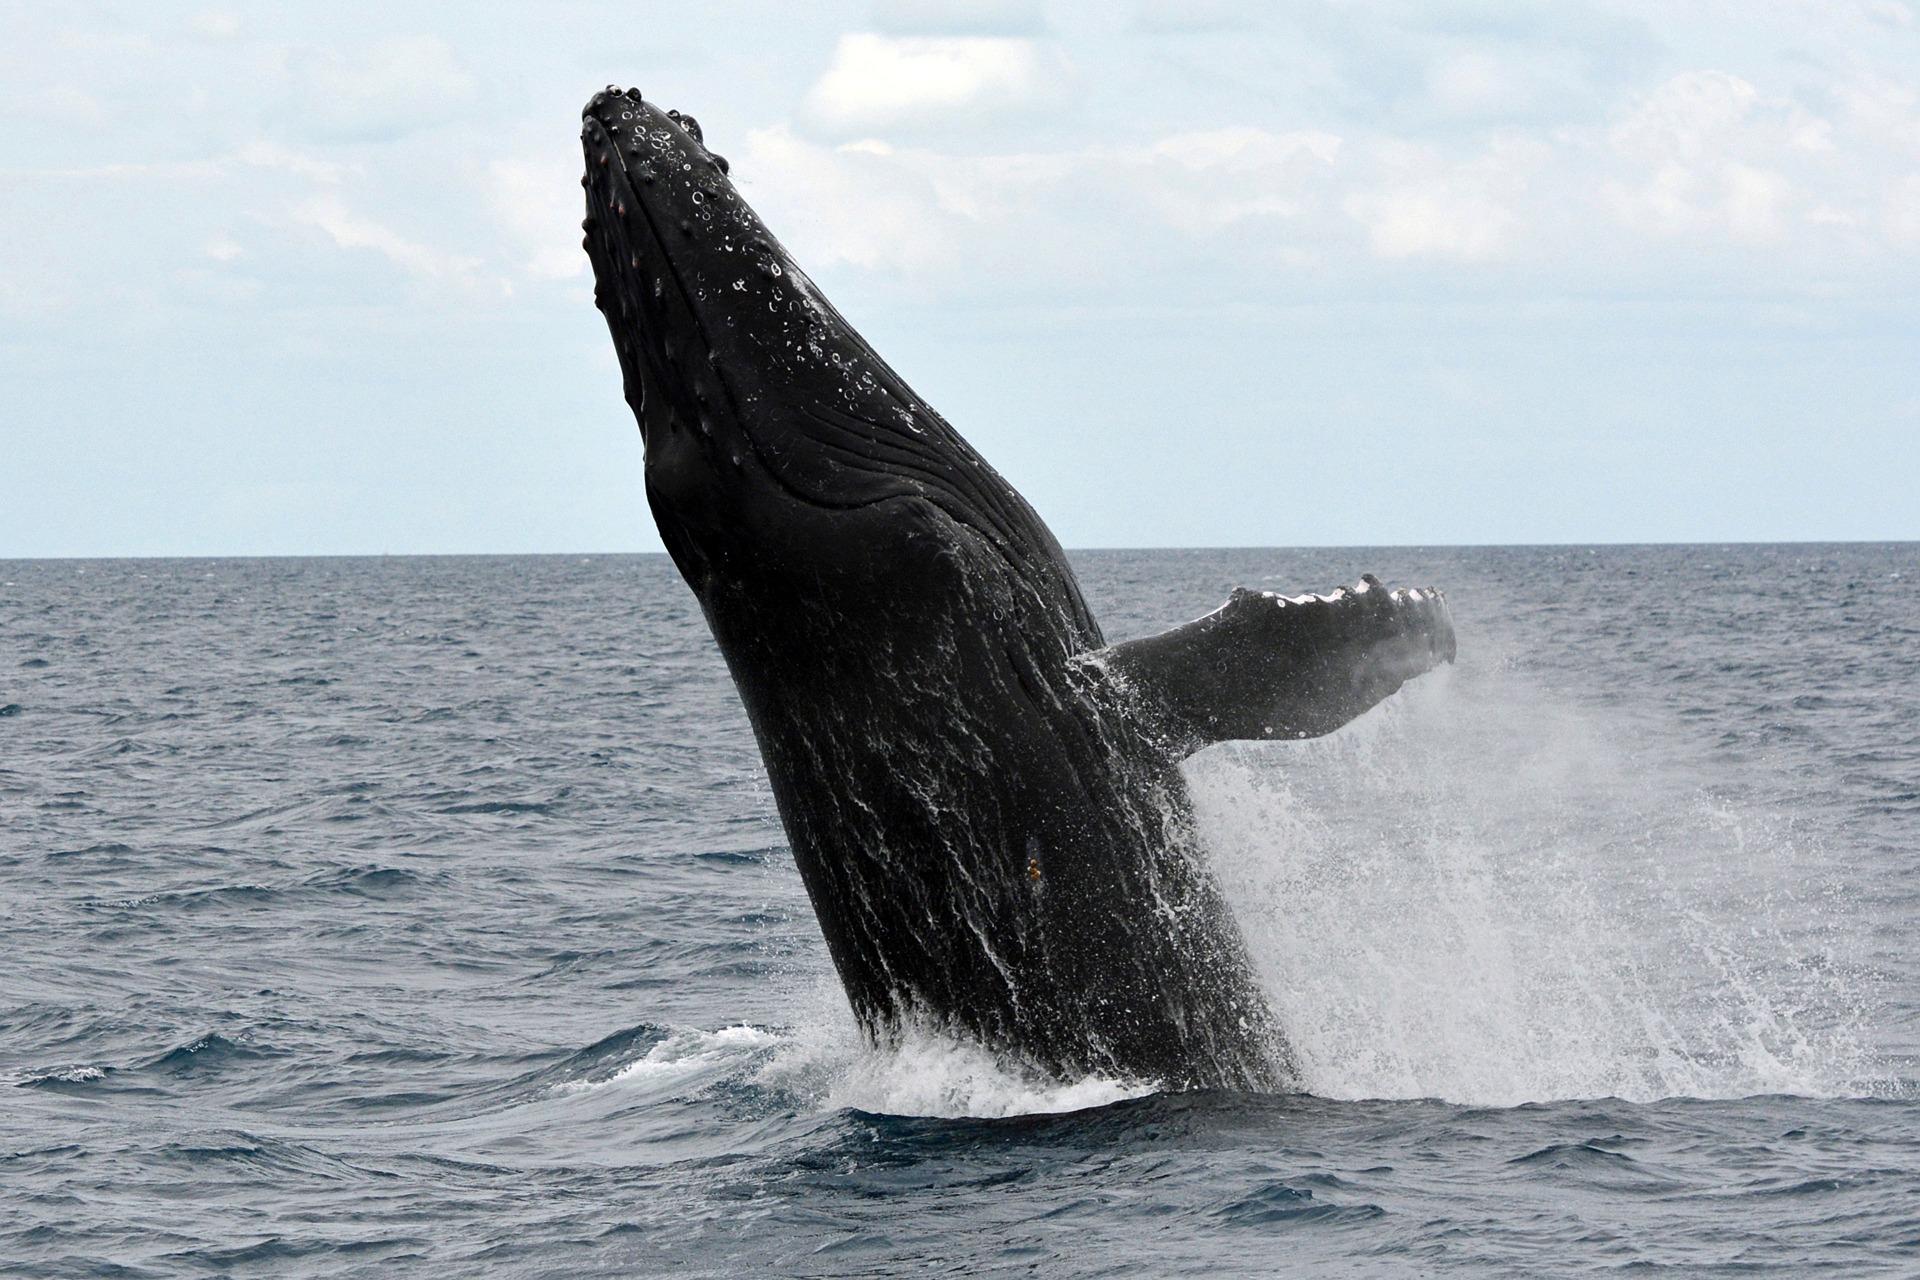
(983, 798)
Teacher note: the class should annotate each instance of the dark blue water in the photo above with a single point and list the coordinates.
(430, 916)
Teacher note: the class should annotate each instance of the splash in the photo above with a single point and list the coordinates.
(1478, 895)
(827, 1066)
(934, 1075)
(1475, 893)
(683, 1058)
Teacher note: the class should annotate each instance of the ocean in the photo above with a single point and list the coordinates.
(431, 916)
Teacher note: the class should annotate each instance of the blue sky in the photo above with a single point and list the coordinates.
(306, 279)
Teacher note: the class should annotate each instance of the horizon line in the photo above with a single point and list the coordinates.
(1316, 546)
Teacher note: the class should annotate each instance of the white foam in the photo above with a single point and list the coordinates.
(933, 1075)
(826, 1063)
(77, 1074)
(682, 1056)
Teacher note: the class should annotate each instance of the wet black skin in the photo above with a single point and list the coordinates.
(983, 800)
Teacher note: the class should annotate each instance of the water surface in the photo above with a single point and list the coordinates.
(428, 916)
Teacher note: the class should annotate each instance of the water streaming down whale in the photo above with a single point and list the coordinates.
(984, 799)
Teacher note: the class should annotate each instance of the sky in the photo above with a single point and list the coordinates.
(303, 279)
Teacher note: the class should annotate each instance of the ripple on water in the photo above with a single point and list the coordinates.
(334, 949)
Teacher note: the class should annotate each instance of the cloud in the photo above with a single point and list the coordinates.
(1491, 83)
(1900, 212)
(1885, 112)
(1202, 182)
(271, 155)
(1685, 118)
(957, 17)
(1182, 17)
(880, 84)
(855, 204)
(65, 104)
(1709, 149)
(1076, 215)
(350, 230)
(382, 91)
(537, 202)
(211, 24)
(1425, 204)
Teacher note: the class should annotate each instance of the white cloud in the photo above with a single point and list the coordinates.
(1709, 150)
(1900, 212)
(271, 155)
(1883, 111)
(957, 17)
(877, 83)
(1086, 213)
(1190, 16)
(1228, 175)
(1242, 148)
(381, 91)
(537, 202)
(211, 24)
(1686, 118)
(1423, 203)
(1496, 80)
(350, 230)
(65, 104)
(854, 204)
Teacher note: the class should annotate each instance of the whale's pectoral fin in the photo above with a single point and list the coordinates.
(1271, 666)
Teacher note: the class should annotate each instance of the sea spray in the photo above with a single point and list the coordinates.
(1484, 894)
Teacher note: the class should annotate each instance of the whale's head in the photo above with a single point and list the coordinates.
(753, 394)
(751, 391)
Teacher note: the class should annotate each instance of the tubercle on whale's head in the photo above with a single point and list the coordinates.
(653, 194)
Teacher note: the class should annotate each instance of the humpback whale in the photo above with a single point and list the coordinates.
(983, 797)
